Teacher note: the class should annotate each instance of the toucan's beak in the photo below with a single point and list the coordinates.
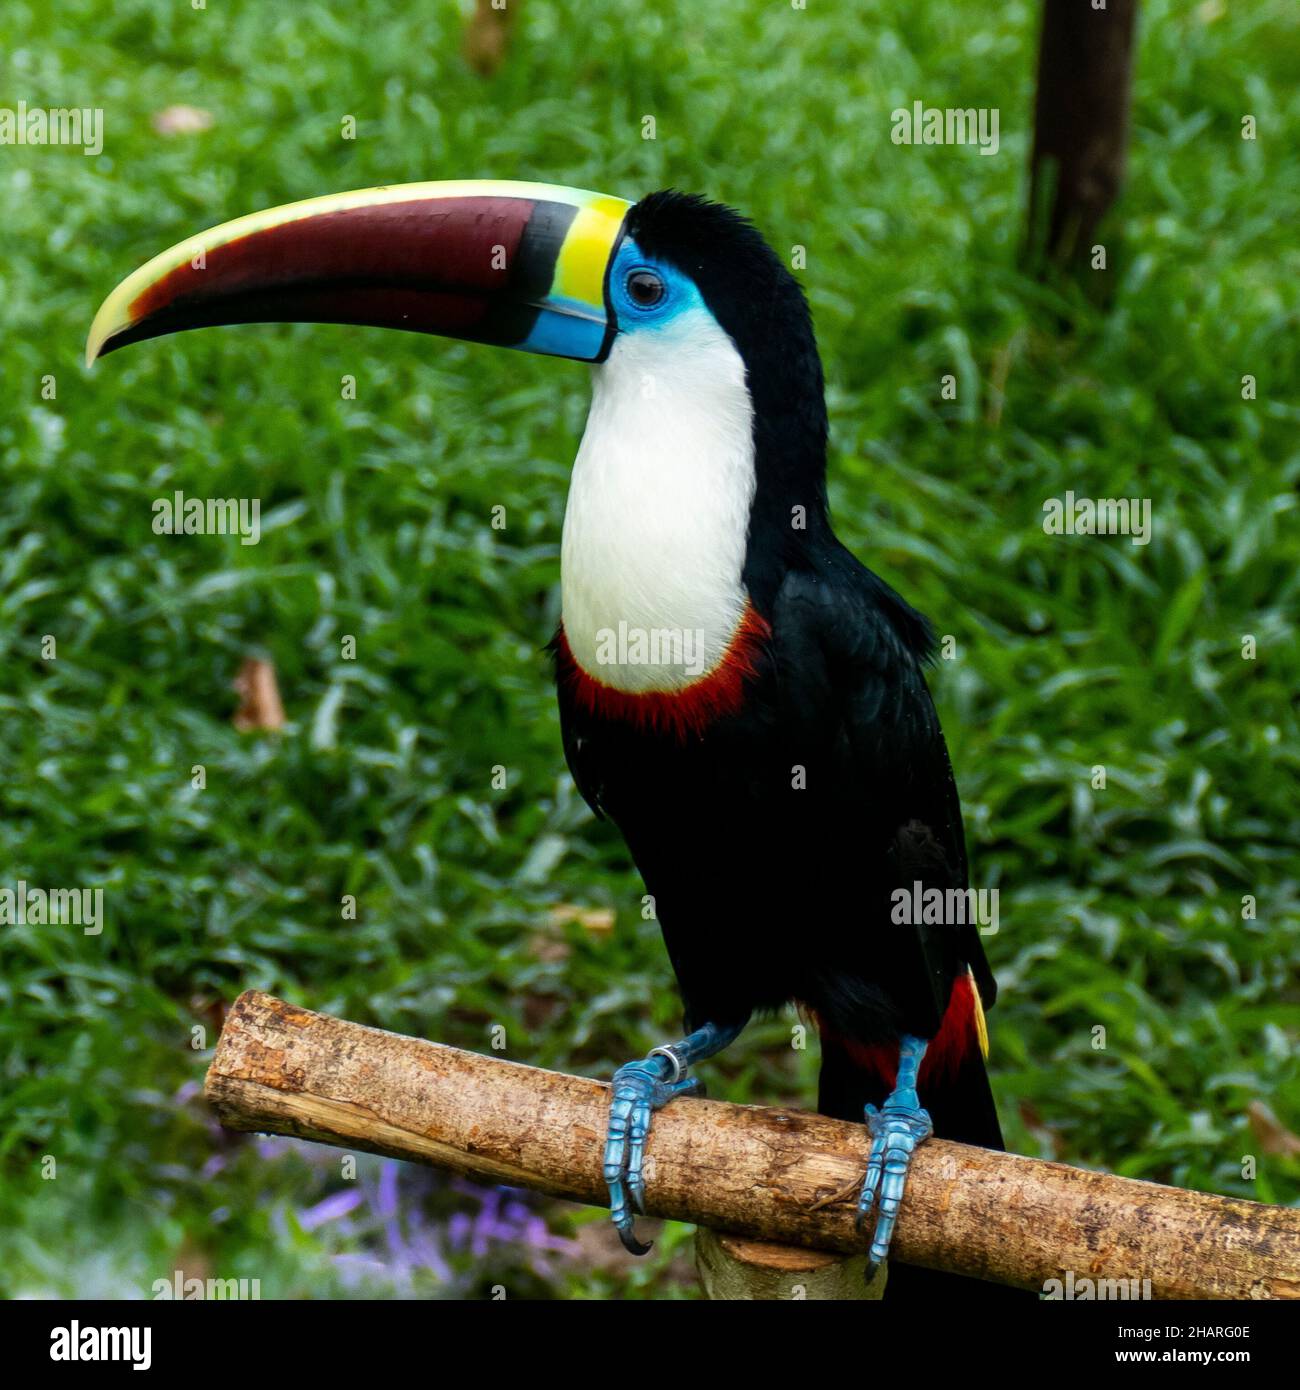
(518, 264)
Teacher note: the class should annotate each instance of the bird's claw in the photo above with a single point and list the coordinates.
(639, 1089)
(895, 1130)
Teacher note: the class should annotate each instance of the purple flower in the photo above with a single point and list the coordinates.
(330, 1209)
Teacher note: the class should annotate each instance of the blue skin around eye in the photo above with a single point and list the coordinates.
(680, 293)
(567, 328)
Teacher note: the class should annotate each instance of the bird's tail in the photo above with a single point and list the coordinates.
(960, 1102)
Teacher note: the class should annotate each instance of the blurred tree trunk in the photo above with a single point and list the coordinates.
(1081, 126)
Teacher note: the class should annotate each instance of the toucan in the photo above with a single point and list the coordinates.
(743, 698)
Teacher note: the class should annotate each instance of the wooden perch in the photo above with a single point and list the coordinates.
(775, 1175)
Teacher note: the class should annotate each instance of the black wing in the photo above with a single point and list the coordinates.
(850, 657)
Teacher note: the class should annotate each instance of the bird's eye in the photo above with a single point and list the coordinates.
(645, 288)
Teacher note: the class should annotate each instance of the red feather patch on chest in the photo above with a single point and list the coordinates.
(679, 713)
(958, 1034)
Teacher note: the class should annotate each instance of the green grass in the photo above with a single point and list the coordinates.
(1121, 908)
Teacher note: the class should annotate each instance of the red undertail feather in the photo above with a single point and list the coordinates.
(959, 1033)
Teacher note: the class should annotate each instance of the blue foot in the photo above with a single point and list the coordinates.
(639, 1089)
(896, 1129)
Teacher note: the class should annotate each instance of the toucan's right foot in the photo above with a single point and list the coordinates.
(640, 1088)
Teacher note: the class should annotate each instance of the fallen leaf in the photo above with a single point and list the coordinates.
(1273, 1136)
(487, 35)
(259, 697)
(181, 120)
(548, 949)
(597, 920)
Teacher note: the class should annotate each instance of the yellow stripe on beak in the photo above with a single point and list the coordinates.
(584, 258)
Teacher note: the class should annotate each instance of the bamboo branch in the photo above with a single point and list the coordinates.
(777, 1175)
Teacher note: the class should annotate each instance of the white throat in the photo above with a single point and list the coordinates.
(658, 514)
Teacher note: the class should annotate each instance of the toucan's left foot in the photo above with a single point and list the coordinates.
(896, 1129)
(641, 1088)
